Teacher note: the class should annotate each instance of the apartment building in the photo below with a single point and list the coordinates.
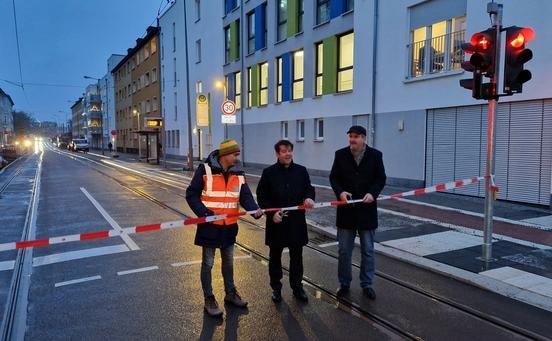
(7, 132)
(137, 94)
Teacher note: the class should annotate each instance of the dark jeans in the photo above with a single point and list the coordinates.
(227, 267)
(295, 267)
(346, 240)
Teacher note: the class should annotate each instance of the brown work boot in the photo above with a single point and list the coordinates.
(234, 298)
(211, 306)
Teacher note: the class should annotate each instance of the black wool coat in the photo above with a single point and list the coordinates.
(368, 177)
(281, 187)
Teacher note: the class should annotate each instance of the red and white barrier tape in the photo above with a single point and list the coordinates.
(195, 221)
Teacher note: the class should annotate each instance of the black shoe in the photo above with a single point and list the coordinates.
(342, 291)
(370, 293)
(276, 296)
(300, 295)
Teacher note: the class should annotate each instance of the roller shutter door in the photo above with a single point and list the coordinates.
(456, 148)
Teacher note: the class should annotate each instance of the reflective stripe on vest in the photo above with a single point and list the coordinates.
(220, 196)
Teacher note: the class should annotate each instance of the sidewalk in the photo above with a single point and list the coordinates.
(443, 232)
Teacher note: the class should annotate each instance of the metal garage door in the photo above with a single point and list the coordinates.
(456, 148)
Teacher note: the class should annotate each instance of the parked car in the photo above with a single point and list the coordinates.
(79, 144)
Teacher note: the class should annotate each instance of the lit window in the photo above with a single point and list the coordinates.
(279, 80)
(345, 65)
(264, 84)
(319, 68)
(237, 90)
(298, 74)
(249, 87)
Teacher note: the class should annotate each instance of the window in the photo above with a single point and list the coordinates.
(282, 20)
(279, 80)
(227, 44)
(162, 48)
(153, 45)
(249, 87)
(319, 129)
(175, 107)
(148, 106)
(174, 36)
(229, 5)
(198, 51)
(284, 130)
(322, 11)
(163, 78)
(349, 5)
(134, 87)
(345, 64)
(319, 68)
(298, 74)
(146, 52)
(300, 17)
(264, 84)
(436, 47)
(300, 130)
(198, 9)
(251, 32)
(199, 87)
(178, 139)
(147, 79)
(155, 104)
(174, 62)
(237, 90)
(154, 75)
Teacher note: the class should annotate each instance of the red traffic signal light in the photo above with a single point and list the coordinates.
(516, 56)
(482, 47)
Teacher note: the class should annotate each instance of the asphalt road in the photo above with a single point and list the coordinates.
(147, 286)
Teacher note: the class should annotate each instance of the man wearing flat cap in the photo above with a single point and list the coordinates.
(218, 188)
(357, 173)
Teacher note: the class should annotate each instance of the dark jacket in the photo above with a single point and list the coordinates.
(368, 177)
(281, 187)
(207, 234)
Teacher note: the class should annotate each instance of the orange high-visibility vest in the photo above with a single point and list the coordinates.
(220, 196)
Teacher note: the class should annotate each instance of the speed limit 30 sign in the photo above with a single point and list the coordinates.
(228, 107)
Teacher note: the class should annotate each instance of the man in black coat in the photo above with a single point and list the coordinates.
(284, 184)
(357, 173)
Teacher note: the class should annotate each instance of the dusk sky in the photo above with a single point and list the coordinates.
(60, 42)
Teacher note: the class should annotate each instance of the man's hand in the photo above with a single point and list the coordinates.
(277, 217)
(309, 203)
(368, 198)
(259, 213)
(344, 196)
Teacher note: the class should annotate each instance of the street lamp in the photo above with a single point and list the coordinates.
(99, 94)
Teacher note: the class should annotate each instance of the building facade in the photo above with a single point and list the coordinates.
(137, 97)
(7, 131)
(107, 93)
(77, 119)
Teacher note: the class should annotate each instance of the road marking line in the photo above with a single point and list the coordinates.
(186, 263)
(76, 281)
(242, 257)
(80, 254)
(133, 271)
(100, 155)
(126, 238)
(7, 265)
(328, 244)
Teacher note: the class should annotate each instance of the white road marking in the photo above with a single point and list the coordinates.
(133, 271)
(7, 265)
(432, 243)
(328, 244)
(545, 221)
(80, 254)
(100, 155)
(186, 263)
(76, 281)
(522, 279)
(126, 238)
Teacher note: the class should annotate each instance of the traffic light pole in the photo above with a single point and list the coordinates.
(495, 10)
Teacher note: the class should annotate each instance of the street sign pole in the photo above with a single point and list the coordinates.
(495, 10)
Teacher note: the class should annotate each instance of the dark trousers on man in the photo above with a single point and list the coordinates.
(295, 267)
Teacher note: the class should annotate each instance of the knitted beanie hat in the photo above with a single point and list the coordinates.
(228, 146)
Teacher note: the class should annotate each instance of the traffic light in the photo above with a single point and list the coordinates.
(516, 56)
(482, 47)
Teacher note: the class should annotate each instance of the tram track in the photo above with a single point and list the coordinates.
(352, 306)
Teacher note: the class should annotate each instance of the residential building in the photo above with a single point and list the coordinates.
(7, 132)
(77, 119)
(137, 93)
(92, 116)
(107, 93)
(205, 62)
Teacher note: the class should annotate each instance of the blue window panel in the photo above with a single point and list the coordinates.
(230, 5)
(260, 25)
(337, 7)
(286, 77)
(231, 87)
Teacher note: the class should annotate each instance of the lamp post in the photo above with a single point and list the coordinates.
(102, 121)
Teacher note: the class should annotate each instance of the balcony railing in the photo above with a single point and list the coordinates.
(445, 54)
